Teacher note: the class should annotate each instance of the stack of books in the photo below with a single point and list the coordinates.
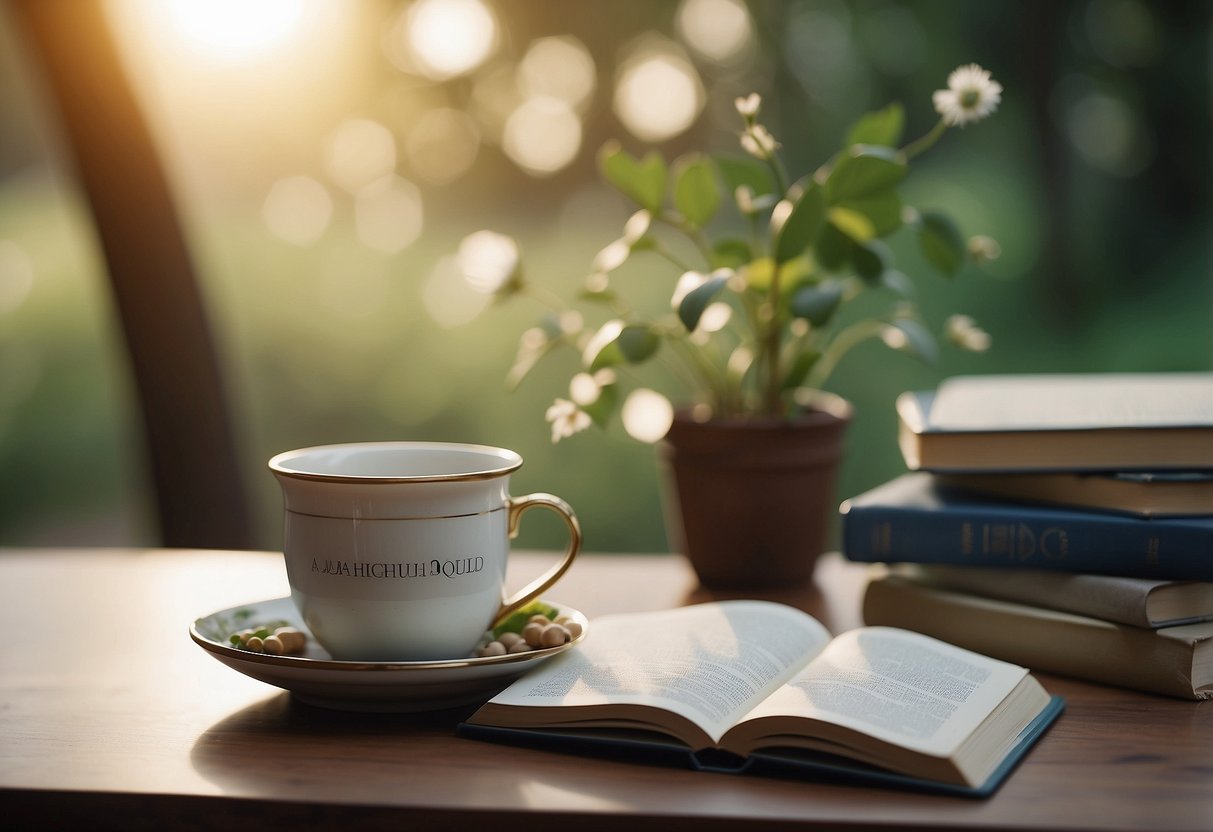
(1061, 522)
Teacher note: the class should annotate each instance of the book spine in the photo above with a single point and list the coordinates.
(1068, 645)
(978, 535)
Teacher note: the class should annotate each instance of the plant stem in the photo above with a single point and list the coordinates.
(544, 297)
(925, 143)
(662, 251)
(695, 235)
(773, 347)
(842, 343)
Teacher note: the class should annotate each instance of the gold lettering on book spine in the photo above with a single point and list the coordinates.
(1152, 550)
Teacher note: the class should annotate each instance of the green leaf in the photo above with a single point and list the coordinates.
(832, 247)
(918, 340)
(641, 180)
(871, 259)
(863, 170)
(638, 343)
(816, 303)
(942, 243)
(882, 210)
(801, 226)
(690, 310)
(518, 619)
(737, 171)
(695, 193)
(855, 225)
(631, 344)
(731, 253)
(602, 408)
(882, 127)
(898, 281)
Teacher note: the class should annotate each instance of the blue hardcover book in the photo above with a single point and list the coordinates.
(915, 519)
(751, 687)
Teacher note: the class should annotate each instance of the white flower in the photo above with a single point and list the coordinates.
(971, 96)
(489, 261)
(966, 334)
(748, 106)
(758, 141)
(567, 419)
(983, 249)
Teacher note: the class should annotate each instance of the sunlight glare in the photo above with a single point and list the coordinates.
(236, 29)
(297, 209)
(560, 67)
(388, 214)
(449, 38)
(719, 30)
(543, 135)
(359, 152)
(658, 94)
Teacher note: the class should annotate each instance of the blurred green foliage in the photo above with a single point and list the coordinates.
(1094, 177)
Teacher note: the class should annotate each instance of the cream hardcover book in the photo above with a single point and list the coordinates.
(752, 686)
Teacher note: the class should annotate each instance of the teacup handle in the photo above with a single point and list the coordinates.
(517, 507)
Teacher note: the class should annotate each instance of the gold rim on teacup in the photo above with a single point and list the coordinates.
(512, 461)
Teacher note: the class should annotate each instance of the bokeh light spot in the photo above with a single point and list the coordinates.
(442, 145)
(359, 152)
(449, 38)
(658, 94)
(388, 214)
(1105, 133)
(719, 30)
(647, 415)
(298, 210)
(558, 67)
(543, 135)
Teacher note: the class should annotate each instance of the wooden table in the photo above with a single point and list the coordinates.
(111, 717)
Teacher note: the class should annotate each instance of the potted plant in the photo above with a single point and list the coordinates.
(754, 324)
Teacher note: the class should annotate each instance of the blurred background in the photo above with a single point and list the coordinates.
(327, 158)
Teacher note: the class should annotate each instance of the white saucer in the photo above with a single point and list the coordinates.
(318, 679)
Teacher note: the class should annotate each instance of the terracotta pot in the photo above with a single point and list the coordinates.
(751, 502)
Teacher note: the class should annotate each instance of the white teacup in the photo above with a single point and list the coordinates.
(396, 551)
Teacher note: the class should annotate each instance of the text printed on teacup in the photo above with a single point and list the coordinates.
(415, 569)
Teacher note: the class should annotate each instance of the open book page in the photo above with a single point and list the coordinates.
(709, 663)
(901, 687)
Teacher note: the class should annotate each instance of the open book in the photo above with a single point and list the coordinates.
(751, 685)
